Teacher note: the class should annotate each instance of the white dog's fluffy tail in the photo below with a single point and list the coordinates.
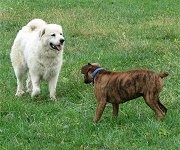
(35, 24)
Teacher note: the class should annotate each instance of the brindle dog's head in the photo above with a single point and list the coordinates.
(87, 71)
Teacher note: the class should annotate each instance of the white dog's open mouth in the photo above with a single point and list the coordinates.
(56, 47)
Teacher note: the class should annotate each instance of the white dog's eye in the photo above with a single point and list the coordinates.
(61, 34)
(53, 34)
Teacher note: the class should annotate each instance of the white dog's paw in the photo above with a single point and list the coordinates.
(35, 93)
(19, 93)
(53, 98)
(29, 90)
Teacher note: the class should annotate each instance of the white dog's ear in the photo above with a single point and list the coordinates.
(42, 32)
(96, 64)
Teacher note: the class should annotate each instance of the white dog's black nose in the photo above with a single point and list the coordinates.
(62, 41)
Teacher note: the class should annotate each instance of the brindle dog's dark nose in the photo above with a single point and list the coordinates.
(62, 41)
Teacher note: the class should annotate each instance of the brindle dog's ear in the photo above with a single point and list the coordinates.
(85, 69)
(96, 64)
(89, 63)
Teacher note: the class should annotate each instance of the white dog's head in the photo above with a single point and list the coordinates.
(52, 37)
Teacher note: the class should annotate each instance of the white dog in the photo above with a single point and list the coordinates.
(38, 52)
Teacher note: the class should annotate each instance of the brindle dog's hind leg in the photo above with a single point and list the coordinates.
(163, 108)
(152, 102)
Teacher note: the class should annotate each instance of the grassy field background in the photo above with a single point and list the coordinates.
(120, 35)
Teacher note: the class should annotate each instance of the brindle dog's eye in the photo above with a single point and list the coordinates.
(53, 34)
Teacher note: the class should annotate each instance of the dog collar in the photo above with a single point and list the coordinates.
(95, 72)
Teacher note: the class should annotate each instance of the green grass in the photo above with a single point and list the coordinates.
(120, 35)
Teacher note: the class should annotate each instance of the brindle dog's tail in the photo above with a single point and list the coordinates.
(164, 74)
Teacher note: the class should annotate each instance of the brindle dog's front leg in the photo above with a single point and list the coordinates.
(101, 104)
(115, 110)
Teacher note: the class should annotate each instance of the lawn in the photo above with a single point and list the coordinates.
(120, 35)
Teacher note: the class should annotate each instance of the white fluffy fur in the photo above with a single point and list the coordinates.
(38, 52)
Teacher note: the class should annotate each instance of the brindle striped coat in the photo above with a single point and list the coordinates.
(119, 87)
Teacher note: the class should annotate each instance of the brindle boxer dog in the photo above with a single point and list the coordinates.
(119, 87)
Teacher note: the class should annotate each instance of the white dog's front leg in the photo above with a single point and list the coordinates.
(29, 84)
(52, 87)
(19, 75)
(19, 91)
(36, 85)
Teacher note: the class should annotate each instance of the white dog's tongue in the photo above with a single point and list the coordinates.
(56, 47)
